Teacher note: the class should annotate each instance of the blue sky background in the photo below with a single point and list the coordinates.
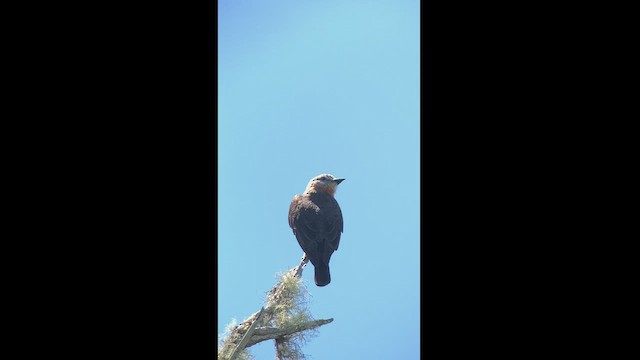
(309, 87)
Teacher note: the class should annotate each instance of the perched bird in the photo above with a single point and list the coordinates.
(316, 220)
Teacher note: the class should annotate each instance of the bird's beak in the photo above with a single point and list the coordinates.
(338, 181)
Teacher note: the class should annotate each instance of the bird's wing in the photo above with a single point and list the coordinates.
(334, 225)
(305, 224)
(292, 212)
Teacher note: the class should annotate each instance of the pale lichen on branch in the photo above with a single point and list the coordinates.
(284, 319)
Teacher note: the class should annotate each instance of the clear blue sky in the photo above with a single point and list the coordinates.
(309, 87)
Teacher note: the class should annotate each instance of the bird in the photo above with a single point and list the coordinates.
(316, 220)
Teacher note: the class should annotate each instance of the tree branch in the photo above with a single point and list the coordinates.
(303, 263)
(269, 333)
(247, 336)
(276, 291)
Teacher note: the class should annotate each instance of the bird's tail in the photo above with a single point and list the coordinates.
(322, 276)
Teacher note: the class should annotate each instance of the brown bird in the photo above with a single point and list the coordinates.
(316, 220)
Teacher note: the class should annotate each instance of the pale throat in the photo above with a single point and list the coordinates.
(321, 188)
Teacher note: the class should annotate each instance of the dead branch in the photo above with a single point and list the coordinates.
(250, 331)
(247, 336)
(271, 333)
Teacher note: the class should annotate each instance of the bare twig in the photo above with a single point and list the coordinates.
(303, 263)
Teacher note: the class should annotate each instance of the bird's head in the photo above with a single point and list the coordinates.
(323, 183)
